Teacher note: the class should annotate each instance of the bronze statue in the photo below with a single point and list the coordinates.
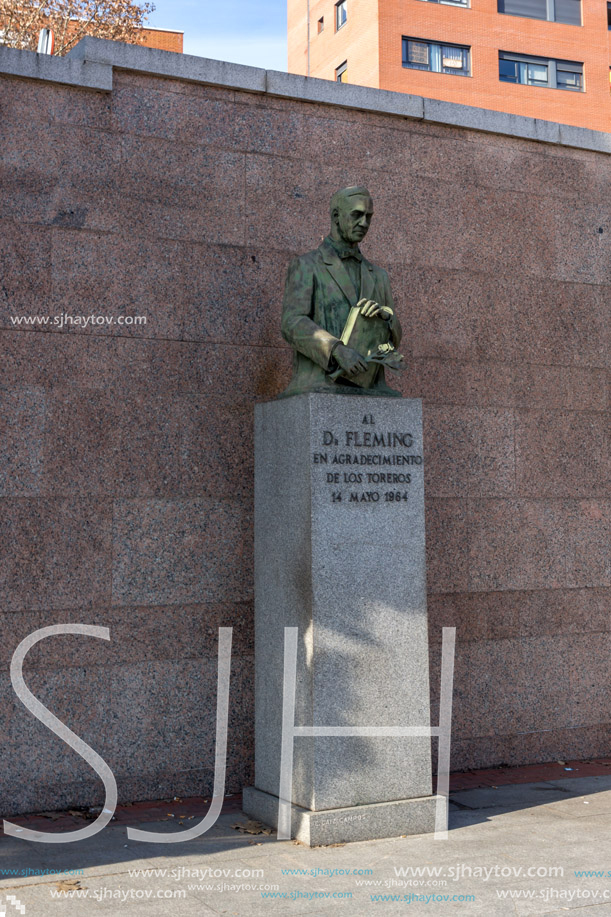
(338, 312)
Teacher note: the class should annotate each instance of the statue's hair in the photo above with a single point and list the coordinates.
(345, 193)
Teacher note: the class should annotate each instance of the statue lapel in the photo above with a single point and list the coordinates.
(339, 273)
(368, 280)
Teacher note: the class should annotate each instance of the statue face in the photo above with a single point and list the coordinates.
(354, 217)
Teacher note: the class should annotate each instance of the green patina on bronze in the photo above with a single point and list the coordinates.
(322, 288)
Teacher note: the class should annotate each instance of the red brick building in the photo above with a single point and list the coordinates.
(546, 59)
(164, 39)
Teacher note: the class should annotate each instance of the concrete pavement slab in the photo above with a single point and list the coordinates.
(581, 806)
(587, 785)
(520, 796)
(594, 910)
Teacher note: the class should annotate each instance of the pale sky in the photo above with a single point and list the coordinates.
(242, 31)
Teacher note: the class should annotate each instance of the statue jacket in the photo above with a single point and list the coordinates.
(317, 300)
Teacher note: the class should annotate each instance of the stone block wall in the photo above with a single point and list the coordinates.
(126, 458)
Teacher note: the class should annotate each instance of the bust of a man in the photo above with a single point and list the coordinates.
(322, 288)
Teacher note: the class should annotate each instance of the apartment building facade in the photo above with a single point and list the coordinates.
(547, 59)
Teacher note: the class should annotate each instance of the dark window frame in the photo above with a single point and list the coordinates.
(552, 65)
(339, 71)
(464, 3)
(436, 47)
(341, 7)
(550, 13)
(321, 25)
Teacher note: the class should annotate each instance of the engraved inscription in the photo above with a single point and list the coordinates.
(366, 458)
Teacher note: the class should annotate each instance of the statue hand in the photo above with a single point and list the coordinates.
(350, 360)
(369, 308)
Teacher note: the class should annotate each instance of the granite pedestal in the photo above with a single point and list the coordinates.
(340, 555)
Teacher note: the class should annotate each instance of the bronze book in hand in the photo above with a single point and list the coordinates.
(371, 338)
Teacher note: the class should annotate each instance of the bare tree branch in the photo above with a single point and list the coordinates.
(70, 20)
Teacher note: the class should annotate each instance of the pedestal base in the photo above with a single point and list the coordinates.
(340, 563)
(356, 823)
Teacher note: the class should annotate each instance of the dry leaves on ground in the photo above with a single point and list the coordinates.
(69, 885)
(252, 827)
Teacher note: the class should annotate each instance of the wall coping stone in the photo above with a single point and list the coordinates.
(90, 65)
(72, 71)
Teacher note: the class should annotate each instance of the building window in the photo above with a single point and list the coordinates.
(451, 2)
(341, 74)
(341, 13)
(567, 11)
(609, 16)
(429, 55)
(321, 24)
(540, 71)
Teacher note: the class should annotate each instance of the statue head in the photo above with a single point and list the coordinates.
(351, 212)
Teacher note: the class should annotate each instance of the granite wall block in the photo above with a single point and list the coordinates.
(177, 551)
(469, 451)
(138, 634)
(22, 425)
(517, 544)
(25, 255)
(561, 454)
(56, 552)
(24, 101)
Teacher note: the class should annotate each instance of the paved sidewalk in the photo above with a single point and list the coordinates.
(496, 835)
